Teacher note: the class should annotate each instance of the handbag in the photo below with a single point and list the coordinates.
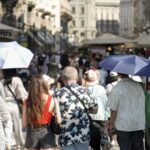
(55, 126)
(95, 128)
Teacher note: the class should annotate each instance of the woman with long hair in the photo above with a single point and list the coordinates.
(37, 115)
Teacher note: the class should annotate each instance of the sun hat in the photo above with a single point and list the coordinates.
(91, 77)
(48, 79)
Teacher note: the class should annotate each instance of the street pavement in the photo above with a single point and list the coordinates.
(115, 147)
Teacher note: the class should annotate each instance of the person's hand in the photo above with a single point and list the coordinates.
(112, 130)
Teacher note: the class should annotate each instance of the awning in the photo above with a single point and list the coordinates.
(6, 27)
(143, 40)
(8, 32)
(107, 39)
(34, 38)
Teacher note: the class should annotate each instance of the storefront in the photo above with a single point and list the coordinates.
(8, 33)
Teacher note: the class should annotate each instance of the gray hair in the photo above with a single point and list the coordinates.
(69, 73)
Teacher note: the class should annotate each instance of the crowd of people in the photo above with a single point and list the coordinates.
(82, 92)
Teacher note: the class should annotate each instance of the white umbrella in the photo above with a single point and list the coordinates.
(13, 55)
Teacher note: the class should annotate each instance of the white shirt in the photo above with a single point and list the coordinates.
(103, 76)
(128, 99)
(99, 93)
(18, 89)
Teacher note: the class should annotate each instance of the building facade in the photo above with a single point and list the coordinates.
(132, 18)
(83, 25)
(107, 16)
(146, 16)
(42, 21)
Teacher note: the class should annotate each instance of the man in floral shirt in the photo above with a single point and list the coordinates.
(75, 122)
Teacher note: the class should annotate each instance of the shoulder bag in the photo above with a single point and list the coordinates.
(19, 103)
(55, 126)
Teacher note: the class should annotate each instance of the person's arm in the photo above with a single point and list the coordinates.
(112, 118)
(24, 115)
(2, 91)
(57, 111)
(55, 105)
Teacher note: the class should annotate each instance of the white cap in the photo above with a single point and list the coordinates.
(136, 78)
(113, 74)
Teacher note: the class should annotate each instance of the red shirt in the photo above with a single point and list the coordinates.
(46, 115)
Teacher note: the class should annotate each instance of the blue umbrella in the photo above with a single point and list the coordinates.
(144, 71)
(126, 64)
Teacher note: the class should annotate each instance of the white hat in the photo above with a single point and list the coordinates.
(113, 74)
(48, 79)
(91, 77)
(136, 78)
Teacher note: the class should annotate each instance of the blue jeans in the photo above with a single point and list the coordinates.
(130, 140)
(77, 146)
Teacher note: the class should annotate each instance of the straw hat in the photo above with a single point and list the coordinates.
(91, 77)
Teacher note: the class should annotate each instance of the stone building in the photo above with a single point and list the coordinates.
(132, 17)
(107, 16)
(83, 25)
(8, 21)
(42, 22)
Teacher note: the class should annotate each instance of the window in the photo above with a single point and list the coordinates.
(82, 10)
(82, 23)
(36, 14)
(74, 32)
(73, 10)
(82, 34)
(73, 23)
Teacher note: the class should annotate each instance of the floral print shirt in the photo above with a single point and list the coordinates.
(75, 122)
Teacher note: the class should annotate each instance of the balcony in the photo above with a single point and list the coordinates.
(65, 12)
(44, 7)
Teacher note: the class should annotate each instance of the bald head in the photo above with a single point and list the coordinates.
(70, 73)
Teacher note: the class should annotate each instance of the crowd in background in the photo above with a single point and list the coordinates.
(49, 87)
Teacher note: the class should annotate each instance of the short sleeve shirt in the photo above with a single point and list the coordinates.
(128, 99)
(75, 122)
(18, 89)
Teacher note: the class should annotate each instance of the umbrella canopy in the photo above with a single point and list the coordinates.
(144, 71)
(13, 55)
(126, 64)
(108, 39)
